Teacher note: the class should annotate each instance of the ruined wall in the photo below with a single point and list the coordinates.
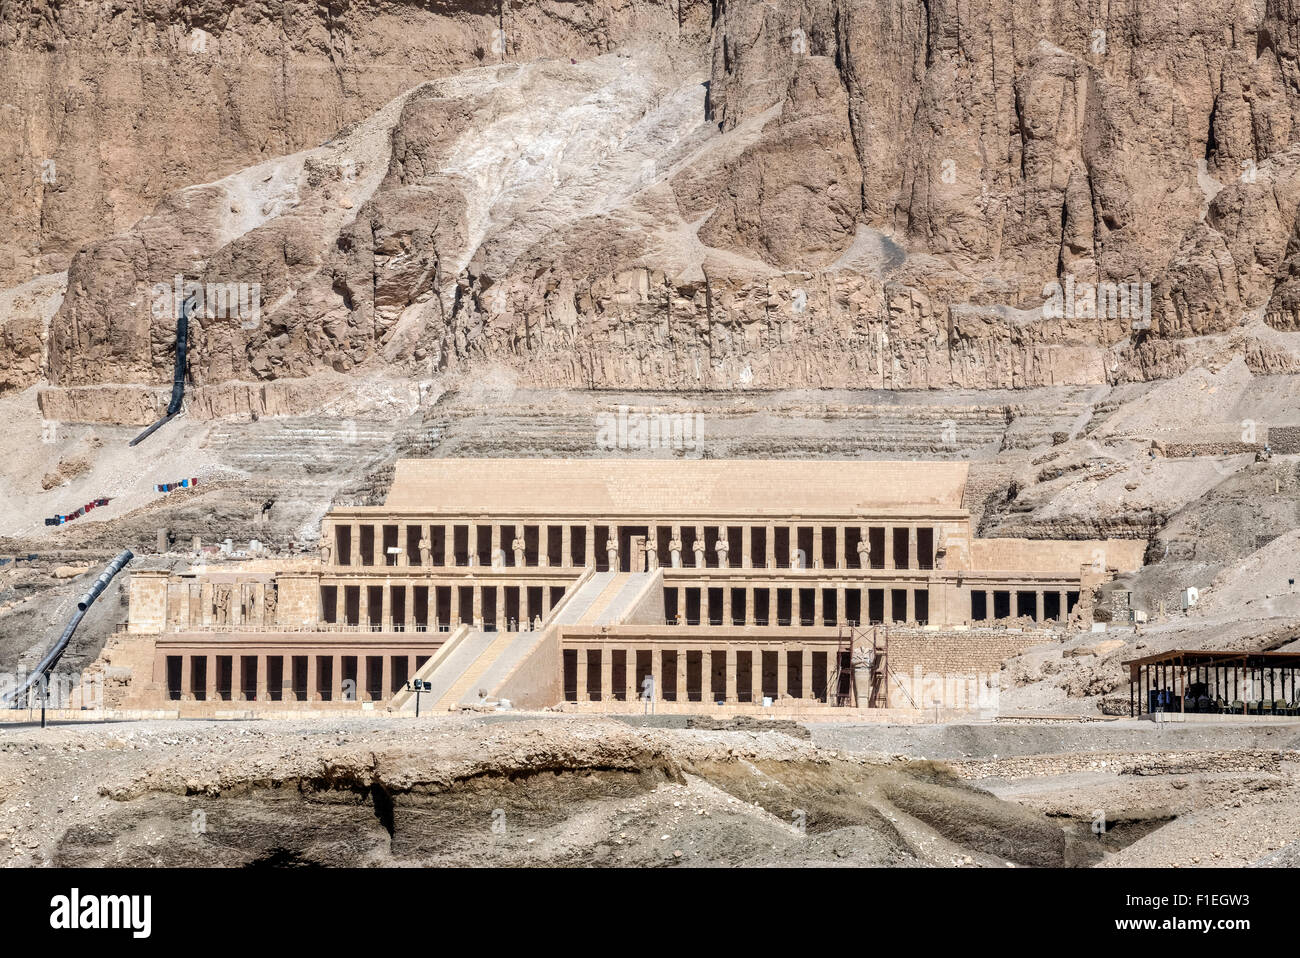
(951, 664)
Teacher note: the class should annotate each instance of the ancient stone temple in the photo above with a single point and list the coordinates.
(612, 583)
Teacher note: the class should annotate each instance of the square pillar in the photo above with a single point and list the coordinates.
(681, 675)
(783, 671)
(336, 680)
(816, 557)
(1038, 605)
(749, 605)
(591, 543)
(910, 614)
(581, 691)
(730, 692)
(606, 674)
(747, 546)
(807, 691)
(769, 543)
(629, 675)
(262, 692)
(889, 547)
(657, 672)
(313, 679)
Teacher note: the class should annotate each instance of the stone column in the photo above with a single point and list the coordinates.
(726, 604)
(476, 612)
(746, 546)
(1065, 602)
(657, 672)
(582, 674)
(386, 607)
(340, 604)
(841, 618)
(629, 675)
(911, 548)
(889, 547)
(795, 612)
(706, 677)
(336, 679)
(566, 546)
(503, 624)
(807, 691)
(606, 673)
(449, 544)
(385, 677)
(591, 544)
(363, 606)
(681, 675)
(769, 546)
(262, 692)
(783, 670)
(313, 678)
(818, 605)
(453, 608)
(750, 617)
(408, 607)
(910, 614)
(1038, 605)
(730, 691)
(816, 557)
(988, 605)
(525, 613)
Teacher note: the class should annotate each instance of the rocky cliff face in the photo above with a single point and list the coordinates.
(654, 195)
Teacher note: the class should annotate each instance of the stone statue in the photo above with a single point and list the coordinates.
(222, 598)
(326, 551)
(517, 546)
(675, 551)
(941, 550)
(722, 548)
(611, 547)
(426, 550)
(864, 549)
(268, 608)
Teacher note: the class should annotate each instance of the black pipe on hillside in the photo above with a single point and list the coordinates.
(178, 375)
(51, 659)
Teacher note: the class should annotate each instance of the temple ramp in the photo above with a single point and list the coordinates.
(484, 648)
(529, 676)
(404, 699)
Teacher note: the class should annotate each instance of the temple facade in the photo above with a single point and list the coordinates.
(609, 581)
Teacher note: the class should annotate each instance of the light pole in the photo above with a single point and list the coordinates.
(417, 686)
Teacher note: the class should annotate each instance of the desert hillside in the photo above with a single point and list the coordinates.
(1056, 240)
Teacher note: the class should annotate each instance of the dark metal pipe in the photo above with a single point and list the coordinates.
(51, 658)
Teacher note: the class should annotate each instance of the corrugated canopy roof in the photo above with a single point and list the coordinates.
(678, 487)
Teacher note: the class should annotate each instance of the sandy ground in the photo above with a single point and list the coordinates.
(545, 790)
